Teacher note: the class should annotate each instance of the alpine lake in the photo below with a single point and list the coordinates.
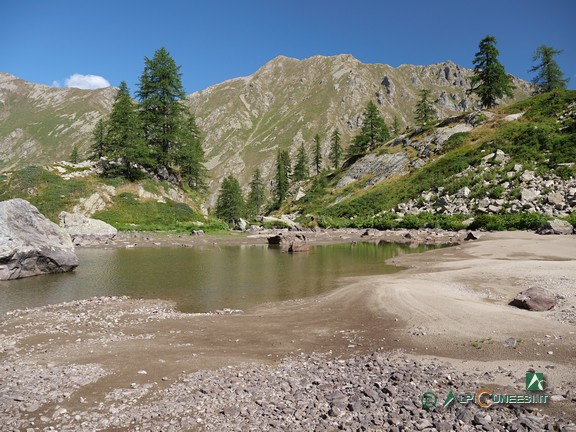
(204, 278)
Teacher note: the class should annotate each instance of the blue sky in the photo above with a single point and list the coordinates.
(49, 42)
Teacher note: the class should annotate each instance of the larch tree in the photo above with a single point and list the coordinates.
(230, 205)
(301, 171)
(190, 154)
(160, 94)
(335, 149)
(373, 134)
(124, 136)
(317, 154)
(256, 196)
(282, 177)
(99, 147)
(490, 81)
(424, 112)
(548, 77)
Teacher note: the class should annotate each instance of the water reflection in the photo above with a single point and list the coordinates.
(203, 279)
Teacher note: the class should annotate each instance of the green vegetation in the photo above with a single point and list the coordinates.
(490, 81)
(317, 154)
(301, 171)
(374, 133)
(230, 206)
(425, 113)
(256, 196)
(548, 77)
(538, 141)
(46, 190)
(159, 134)
(281, 178)
(335, 149)
(129, 213)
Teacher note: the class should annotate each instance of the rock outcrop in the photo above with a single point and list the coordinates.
(535, 299)
(86, 231)
(31, 244)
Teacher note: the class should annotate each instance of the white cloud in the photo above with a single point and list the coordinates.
(86, 82)
(56, 84)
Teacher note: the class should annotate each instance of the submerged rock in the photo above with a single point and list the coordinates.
(290, 243)
(31, 244)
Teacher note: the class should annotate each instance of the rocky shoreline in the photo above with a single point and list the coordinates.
(341, 361)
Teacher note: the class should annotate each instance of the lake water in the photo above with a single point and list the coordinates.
(202, 279)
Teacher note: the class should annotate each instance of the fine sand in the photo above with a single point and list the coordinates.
(449, 303)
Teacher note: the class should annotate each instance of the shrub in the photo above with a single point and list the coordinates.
(508, 222)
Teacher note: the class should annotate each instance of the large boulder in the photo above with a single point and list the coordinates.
(86, 231)
(535, 299)
(556, 226)
(290, 243)
(31, 244)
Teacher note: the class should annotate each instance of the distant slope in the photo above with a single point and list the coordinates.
(288, 101)
(516, 160)
(41, 124)
(244, 120)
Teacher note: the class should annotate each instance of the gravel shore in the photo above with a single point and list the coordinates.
(357, 358)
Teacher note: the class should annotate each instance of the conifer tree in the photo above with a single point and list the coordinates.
(282, 177)
(301, 171)
(548, 74)
(160, 92)
(124, 137)
(317, 154)
(230, 203)
(335, 149)
(256, 196)
(99, 147)
(396, 126)
(75, 155)
(373, 134)
(424, 112)
(490, 81)
(190, 154)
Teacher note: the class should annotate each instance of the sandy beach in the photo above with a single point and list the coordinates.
(448, 306)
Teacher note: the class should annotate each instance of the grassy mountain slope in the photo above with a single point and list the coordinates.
(144, 205)
(288, 101)
(41, 124)
(500, 160)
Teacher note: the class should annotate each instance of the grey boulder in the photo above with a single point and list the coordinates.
(31, 244)
(85, 231)
(556, 226)
(535, 299)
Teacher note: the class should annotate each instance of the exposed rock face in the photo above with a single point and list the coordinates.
(556, 226)
(31, 244)
(86, 231)
(379, 167)
(535, 299)
(290, 243)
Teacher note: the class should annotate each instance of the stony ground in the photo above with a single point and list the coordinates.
(310, 392)
(340, 361)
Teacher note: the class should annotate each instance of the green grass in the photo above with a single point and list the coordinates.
(129, 213)
(538, 140)
(47, 191)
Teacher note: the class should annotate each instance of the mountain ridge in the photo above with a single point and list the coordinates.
(245, 120)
